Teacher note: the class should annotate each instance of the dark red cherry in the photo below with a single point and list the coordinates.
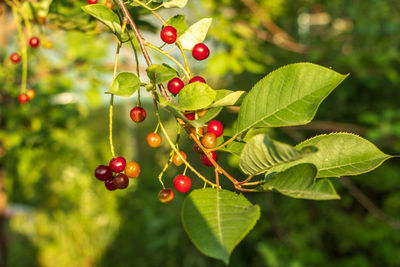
(215, 127)
(166, 195)
(138, 114)
(121, 181)
(175, 86)
(200, 51)
(197, 79)
(190, 116)
(117, 164)
(103, 173)
(168, 34)
(110, 185)
(206, 160)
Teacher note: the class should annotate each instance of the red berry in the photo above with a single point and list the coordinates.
(190, 116)
(91, 2)
(215, 127)
(206, 161)
(168, 34)
(200, 51)
(15, 58)
(110, 185)
(175, 86)
(182, 183)
(34, 41)
(166, 195)
(121, 181)
(197, 79)
(138, 114)
(23, 98)
(103, 173)
(117, 164)
(153, 139)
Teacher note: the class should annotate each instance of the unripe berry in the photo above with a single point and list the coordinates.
(138, 114)
(23, 98)
(197, 79)
(168, 34)
(209, 140)
(109, 4)
(176, 159)
(200, 51)
(166, 195)
(30, 93)
(117, 164)
(15, 58)
(215, 127)
(175, 86)
(153, 139)
(34, 41)
(132, 169)
(206, 161)
(182, 183)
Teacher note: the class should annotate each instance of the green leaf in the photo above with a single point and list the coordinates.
(125, 84)
(159, 73)
(217, 220)
(108, 17)
(234, 147)
(175, 3)
(287, 96)
(340, 154)
(195, 34)
(299, 182)
(228, 98)
(261, 154)
(179, 23)
(211, 114)
(196, 96)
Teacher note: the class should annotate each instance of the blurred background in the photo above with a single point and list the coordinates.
(55, 213)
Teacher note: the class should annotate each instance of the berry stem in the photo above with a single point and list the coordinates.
(184, 171)
(165, 168)
(24, 50)
(224, 144)
(173, 147)
(216, 177)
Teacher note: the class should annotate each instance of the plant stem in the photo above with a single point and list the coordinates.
(24, 50)
(224, 144)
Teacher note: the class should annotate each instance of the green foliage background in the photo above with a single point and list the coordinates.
(61, 216)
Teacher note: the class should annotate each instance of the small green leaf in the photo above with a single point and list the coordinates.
(175, 3)
(159, 73)
(196, 96)
(287, 96)
(195, 34)
(261, 154)
(299, 182)
(217, 220)
(211, 114)
(179, 23)
(125, 84)
(108, 18)
(228, 98)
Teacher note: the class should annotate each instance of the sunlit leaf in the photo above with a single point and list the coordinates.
(125, 84)
(195, 34)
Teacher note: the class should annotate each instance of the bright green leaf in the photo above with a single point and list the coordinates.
(299, 182)
(196, 96)
(125, 84)
(287, 96)
(228, 98)
(108, 17)
(261, 154)
(217, 220)
(175, 3)
(179, 23)
(159, 73)
(195, 34)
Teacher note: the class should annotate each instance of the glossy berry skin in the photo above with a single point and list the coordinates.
(190, 116)
(215, 127)
(206, 161)
(109, 4)
(176, 159)
(30, 93)
(197, 149)
(34, 41)
(182, 183)
(121, 181)
(175, 86)
(15, 58)
(153, 139)
(103, 173)
(197, 79)
(110, 185)
(166, 195)
(209, 140)
(138, 114)
(132, 169)
(91, 2)
(117, 164)
(200, 51)
(168, 34)
(23, 98)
